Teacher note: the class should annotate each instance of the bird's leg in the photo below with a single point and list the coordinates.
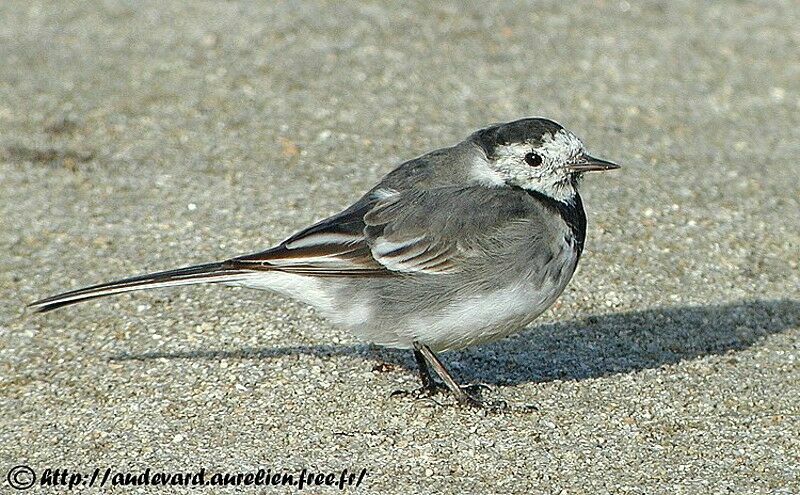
(425, 356)
(468, 395)
(429, 385)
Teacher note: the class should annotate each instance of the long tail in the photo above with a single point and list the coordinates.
(208, 273)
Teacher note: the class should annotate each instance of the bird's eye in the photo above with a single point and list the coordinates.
(533, 159)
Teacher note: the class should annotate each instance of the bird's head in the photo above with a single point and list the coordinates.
(535, 154)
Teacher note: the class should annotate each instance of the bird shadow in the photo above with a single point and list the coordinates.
(590, 347)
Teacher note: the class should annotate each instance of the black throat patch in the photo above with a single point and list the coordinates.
(571, 212)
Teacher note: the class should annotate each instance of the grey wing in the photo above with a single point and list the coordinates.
(432, 231)
(439, 230)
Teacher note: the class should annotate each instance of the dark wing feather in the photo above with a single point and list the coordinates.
(335, 246)
(416, 231)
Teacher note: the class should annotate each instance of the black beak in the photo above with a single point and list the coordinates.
(589, 164)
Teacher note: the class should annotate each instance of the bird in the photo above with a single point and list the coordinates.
(461, 246)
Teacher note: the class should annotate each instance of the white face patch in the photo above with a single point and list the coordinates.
(561, 147)
(551, 178)
(483, 173)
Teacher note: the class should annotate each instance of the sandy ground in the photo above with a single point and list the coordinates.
(142, 136)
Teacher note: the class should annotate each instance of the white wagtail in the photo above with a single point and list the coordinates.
(460, 246)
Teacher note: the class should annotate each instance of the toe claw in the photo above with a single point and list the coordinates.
(469, 396)
(425, 392)
(476, 387)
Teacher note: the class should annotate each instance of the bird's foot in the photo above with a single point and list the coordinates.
(467, 396)
(427, 391)
(471, 396)
(475, 388)
(494, 406)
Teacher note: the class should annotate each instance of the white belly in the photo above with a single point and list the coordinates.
(483, 318)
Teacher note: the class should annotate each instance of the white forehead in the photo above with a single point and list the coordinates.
(560, 145)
